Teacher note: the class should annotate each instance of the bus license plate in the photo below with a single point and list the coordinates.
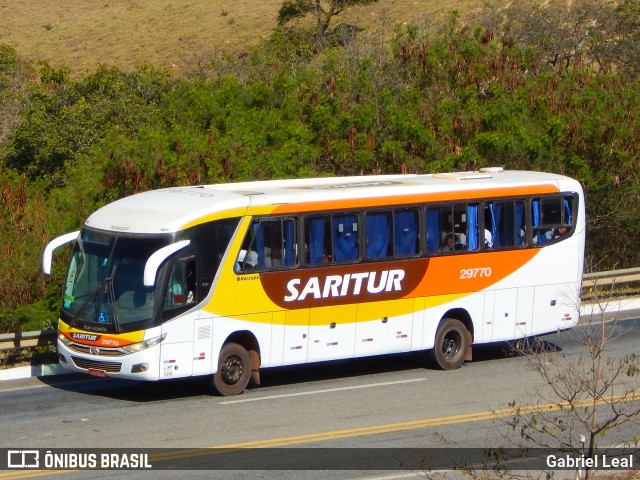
(97, 373)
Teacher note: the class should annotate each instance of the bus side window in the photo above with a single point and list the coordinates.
(378, 234)
(288, 249)
(247, 258)
(440, 226)
(317, 240)
(278, 243)
(332, 238)
(541, 235)
(433, 230)
(270, 244)
(452, 228)
(552, 218)
(405, 226)
(567, 219)
(181, 288)
(392, 233)
(345, 237)
(505, 224)
(472, 227)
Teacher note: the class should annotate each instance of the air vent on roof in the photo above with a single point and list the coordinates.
(492, 169)
(462, 176)
(247, 192)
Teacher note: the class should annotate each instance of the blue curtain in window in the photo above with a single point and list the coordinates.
(496, 212)
(406, 233)
(345, 238)
(433, 230)
(316, 240)
(539, 234)
(567, 212)
(259, 244)
(472, 227)
(378, 233)
(289, 242)
(518, 223)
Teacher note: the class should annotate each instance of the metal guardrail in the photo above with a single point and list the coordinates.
(611, 277)
(11, 341)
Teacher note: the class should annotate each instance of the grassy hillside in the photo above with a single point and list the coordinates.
(80, 34)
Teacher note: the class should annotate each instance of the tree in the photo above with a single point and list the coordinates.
(599, 33)
(15, 76)
(323, 10)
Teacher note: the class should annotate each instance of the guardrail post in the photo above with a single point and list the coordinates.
(13, 341)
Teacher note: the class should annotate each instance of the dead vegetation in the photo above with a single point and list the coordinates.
(80, 34)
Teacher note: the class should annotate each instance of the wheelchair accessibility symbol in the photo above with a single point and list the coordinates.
(102, 318)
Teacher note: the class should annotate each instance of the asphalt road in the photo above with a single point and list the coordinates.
(382, 402)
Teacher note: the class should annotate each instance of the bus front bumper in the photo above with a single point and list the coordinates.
(105, 363)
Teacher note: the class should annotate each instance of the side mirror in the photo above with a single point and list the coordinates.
(155, 260)
(47, 256)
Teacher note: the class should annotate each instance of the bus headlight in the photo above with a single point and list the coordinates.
(138, 347)
(64, 340)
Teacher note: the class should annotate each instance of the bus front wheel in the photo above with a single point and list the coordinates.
(234, 370)
(451, 344)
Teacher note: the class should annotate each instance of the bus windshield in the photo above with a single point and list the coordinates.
(104, 289)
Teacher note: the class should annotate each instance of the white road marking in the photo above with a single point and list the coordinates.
(53, 385)
(328, 390)
(396, 476)
(26, 387)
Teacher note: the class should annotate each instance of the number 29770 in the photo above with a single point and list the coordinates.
(467, 273)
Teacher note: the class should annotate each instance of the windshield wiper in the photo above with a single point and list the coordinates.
(112, 298)
(92, 301)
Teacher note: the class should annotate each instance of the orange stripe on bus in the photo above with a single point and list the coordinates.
(460, 195)
(454, 274)
(437, 279)
(99, 339)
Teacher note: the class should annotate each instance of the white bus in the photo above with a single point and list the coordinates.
(225, 280)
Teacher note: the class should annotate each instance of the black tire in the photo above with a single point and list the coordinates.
(234, 370)
(451, 344)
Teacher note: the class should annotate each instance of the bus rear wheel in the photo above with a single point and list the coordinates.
(451, 344)
(234, 370)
